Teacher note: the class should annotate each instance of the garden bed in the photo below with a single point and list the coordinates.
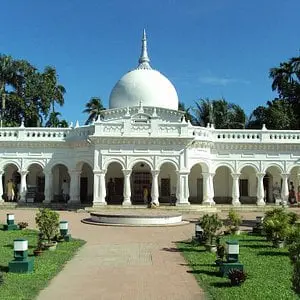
(269, 270)
(46, 266)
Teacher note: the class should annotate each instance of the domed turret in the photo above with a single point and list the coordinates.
(144, 85)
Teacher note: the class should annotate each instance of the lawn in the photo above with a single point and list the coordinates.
(269, 270)
(46, 266)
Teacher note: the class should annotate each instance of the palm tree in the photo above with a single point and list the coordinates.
(7, 77)
(221, 113)
(94, 109)
(54, 120)
(188, 116)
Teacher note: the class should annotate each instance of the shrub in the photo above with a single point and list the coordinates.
(1, 278)
(294, 254)
(237, 277)
(293, 218)
(22, 225)
(210, 225)
(47, 221)
(235, 221)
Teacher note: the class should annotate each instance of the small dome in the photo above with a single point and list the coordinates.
(144, 85)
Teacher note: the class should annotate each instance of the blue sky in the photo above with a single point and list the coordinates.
(208, 48)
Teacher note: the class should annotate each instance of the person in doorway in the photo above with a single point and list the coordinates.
(65, 190)
(145, 195)
(110, 189)
(10, 190)
(292, 195)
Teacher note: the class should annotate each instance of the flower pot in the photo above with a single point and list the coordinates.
(211, 248)
(37, 252)
(50, 246)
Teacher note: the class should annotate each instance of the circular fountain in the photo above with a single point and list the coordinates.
(135, 218)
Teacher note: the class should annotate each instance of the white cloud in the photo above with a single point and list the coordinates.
(223, 81)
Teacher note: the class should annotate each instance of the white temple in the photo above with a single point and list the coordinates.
(143, 141)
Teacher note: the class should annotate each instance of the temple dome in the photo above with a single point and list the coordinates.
(144, 85)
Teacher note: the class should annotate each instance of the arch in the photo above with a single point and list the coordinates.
(4, 163)
(80, 164)
(222, 183)
(248, 164)
(204, 166)
(86, 187)
(114, 160)
(141, 160)
(272, 164)
(54, 163)
(292, 166)
(28, 164)
(166, 161)
(114, 182)
(223, 164)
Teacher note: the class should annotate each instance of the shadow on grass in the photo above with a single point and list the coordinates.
(199, 265)
(272, 253)
(4, 269)
(12, 246)
(221, 284)
(256, 246)
(206, 272)
(174, 249)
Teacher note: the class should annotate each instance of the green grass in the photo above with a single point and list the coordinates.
(46, 266)
(269, 270)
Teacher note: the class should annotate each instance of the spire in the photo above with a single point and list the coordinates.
(144, 58)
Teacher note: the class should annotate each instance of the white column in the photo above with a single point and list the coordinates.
(48, 187)
(235, 189)
(75, 186)
(285, 187)
(23, 186)
(208, 189)
(211, 188)
(99, 188)
(154, 187)
(127, 187)
(1, 186)
(182, 192)
(260, 189)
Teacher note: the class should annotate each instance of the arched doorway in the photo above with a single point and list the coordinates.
(167, 183)
(195, 179)
(59, 174)
(271, 179)
(141, 179)
(86, 183)
(11, 173)
(35, 181)
(248, 185)
(114, 180)
(223, 185)
(294, 182)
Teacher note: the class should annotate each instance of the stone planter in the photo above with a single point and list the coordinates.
(50, 246)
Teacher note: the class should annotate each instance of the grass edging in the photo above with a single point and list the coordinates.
(46, 266)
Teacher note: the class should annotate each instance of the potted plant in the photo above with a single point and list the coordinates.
(210, 225)
(277, 227)
(47, 221)
(22, 225)
(220, 252)
(39, 247)
(237, 277)
(234, 220)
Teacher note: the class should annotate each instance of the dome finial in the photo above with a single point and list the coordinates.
(144, 58)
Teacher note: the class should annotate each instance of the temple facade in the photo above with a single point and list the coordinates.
(142, 142)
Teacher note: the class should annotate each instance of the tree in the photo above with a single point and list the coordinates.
(188, 116)
(286, 81)
(54, 120)
(94, 108)
(221, 113)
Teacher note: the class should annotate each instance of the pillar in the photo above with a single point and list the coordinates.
(260, 189)
(154, 187)
(23, 186)
(48, 187)
(235, 189)
(75, 186)
(285, 187)
(1, 186)
(182, 192)
(127, 187)
(99, 188)
(208, 189)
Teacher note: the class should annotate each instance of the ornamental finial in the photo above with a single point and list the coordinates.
(144, 58)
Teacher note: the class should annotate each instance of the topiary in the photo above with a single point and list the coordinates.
(234, 220)
(47, 221)
(210, 225)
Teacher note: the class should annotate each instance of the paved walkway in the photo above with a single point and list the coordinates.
(134, 263)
